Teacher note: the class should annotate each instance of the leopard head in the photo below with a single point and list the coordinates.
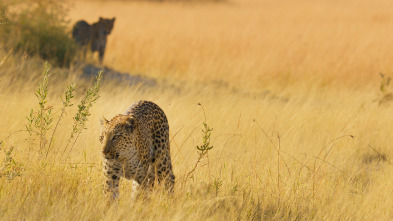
(117, 137)
(107, 24)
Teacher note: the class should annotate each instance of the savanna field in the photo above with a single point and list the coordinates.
(297, 94)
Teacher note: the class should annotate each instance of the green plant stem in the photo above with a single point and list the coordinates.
(66, 103)
(83, 112)
(53, 133)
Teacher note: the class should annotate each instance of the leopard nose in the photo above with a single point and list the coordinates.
(105, 152)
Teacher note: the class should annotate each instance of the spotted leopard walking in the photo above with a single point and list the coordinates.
(135, 145)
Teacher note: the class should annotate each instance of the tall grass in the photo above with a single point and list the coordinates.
(250, 43)
(291, 94)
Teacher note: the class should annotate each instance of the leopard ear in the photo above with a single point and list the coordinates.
(101, 19)
(103, 121)
(113, 19)
(130, 123)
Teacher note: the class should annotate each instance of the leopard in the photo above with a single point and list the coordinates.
(93, 36)
(135, 146)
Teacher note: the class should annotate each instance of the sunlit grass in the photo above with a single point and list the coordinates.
(291, 90)
(249, 43)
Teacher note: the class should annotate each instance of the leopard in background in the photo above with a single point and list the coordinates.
(93, 36)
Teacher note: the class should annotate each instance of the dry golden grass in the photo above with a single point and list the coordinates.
(249, 42)
(289, 88)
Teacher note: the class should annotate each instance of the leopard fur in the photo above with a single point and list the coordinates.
(93, 36)
(135, 145)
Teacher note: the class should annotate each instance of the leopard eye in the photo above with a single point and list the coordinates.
(115, 137)
(101, 138)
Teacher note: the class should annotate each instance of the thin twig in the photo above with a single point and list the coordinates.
(383, 157)
(332, 165)
(271, 141)
(176, 134)
(203, 150)
(76, 138)
(53, 133)
(188, 137)
(232, 136)
(15, 133)
(332, 143)
(195, 166)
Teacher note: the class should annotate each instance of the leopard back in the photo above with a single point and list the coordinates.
(81, 32)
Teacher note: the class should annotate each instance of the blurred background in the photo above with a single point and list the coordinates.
(298, 94)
